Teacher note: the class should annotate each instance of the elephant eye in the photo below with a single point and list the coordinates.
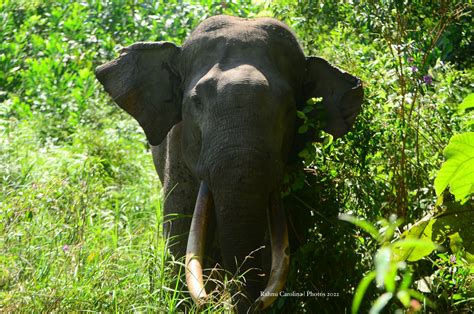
(196, 101)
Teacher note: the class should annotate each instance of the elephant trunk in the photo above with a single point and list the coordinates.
(236, 245)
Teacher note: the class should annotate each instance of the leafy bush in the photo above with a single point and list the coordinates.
(388, 163)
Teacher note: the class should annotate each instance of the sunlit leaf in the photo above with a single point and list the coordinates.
(458, 169)
(456, 223)
(467, 103)
(413, 249)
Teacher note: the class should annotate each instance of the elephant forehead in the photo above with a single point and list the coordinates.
(244, 30)
(225, 76)
(223, 38)
(245, 74)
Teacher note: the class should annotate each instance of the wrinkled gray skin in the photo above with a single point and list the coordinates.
(222, 108)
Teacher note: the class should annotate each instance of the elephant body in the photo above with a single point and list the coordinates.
(220, 114)
(180, 189)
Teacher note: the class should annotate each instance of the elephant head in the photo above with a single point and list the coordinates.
(235, 86)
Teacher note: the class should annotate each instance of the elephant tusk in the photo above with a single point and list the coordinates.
(195, 246)
(280, 254)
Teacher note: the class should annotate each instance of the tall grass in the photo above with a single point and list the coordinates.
(80, 223)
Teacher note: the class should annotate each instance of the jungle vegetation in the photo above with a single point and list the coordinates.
(386, 214)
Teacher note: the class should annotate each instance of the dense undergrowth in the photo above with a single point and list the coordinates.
(80, 216)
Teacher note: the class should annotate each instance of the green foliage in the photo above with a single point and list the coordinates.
(80, 217)
(392, 274)
(451, 283)
(458, 169)
(312, 105)
(450, 226)
(402, 51)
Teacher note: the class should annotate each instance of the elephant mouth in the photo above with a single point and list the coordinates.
(197, 238)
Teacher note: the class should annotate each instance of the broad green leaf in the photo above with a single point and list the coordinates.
(458, 169)
(467, 103)
(455, 242)
(416, 248)
(456, 223)
(410, 253)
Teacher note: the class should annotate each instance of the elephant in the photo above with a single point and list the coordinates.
(220, 115)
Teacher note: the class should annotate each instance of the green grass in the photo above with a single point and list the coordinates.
(80, 223)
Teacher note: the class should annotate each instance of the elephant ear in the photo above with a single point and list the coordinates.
(143, 82)
(342, 94)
